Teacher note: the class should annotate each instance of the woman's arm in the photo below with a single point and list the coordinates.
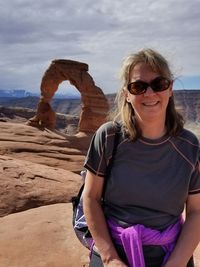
(190, 234)
(92, 195)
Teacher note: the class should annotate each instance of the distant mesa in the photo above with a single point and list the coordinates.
(15, 93)
(94, 104)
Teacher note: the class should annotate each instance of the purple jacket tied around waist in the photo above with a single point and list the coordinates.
(134, 237)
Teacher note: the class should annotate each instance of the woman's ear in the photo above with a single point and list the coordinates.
(126, 95)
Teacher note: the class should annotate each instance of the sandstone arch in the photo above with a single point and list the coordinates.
(94, 103)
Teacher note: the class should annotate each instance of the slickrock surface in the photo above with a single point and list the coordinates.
(46, 147)
(24, 185)
(38, 168)
(41, 237)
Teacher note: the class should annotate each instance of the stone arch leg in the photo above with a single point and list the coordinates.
(94, 103)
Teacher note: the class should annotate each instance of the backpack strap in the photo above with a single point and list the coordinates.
(116, 136)
(117, 130)
(78, 220)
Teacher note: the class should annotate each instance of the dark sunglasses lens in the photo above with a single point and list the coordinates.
(137, 88)
(160, 84)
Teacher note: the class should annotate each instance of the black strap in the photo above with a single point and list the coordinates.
(114, 150)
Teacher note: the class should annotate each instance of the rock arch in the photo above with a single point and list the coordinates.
(94, 103)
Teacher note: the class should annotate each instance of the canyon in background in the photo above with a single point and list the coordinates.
(68, 109)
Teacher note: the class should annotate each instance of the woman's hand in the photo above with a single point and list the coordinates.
(172, 265)
(175, 263)
(115, 263)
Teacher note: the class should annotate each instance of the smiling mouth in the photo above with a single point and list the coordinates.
(151, 104)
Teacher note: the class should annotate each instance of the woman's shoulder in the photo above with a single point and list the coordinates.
(188, 140)
(189, 137)
(109, 128)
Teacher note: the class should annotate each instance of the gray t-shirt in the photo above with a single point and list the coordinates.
(150, 180)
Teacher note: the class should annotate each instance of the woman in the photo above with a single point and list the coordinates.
(154, 173)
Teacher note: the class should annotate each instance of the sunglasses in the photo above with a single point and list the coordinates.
(159, 84)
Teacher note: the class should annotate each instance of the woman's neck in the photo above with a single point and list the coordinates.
(153, 130)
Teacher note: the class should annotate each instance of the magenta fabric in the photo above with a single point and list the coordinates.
(134, 237)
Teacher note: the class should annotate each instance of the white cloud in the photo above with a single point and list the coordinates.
(99, 33)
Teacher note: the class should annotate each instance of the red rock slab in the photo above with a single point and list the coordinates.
(25, 185)
(41, 237)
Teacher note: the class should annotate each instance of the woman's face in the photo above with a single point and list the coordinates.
(149, 106)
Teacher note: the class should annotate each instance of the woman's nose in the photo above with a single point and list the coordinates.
(149, 91)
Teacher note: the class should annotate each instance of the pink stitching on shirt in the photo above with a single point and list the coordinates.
(193, 167)
(184, 139)
(156, 144)
(96, 172)
(125, 140)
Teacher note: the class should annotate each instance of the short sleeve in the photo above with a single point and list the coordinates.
(100, 150)
(195, 179)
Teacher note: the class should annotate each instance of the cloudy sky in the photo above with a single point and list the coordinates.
(100, 33)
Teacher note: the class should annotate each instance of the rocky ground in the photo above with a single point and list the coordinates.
(39, 173)
(38, 176)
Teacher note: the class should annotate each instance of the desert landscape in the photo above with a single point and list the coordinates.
(39, 173)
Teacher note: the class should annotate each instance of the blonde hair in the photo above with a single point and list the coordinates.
(124, 111)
